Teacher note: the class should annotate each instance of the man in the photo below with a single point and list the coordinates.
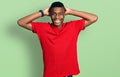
(58, 39)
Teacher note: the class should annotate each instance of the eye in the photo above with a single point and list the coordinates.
(52, 13)
(61, 13)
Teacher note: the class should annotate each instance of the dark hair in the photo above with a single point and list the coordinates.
(56, 4)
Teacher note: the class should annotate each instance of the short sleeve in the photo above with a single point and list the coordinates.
(37, 26)
(34, 26)
(79, 24)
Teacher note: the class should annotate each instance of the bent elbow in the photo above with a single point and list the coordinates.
(95, 18)
(20, 23)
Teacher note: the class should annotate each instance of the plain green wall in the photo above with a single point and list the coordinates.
(98, 45)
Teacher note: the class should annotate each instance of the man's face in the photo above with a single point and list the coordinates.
(57, 15)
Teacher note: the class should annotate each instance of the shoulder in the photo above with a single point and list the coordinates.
(40, 23)
(37, 26)
(74, 22)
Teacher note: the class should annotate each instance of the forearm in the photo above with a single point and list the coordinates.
(85, 15)
(29, 18)
(25, 21)
(89, 17)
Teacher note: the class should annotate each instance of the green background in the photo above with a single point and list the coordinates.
(98, 44)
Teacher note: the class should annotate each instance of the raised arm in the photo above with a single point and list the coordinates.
(89, 18)
(25, 21)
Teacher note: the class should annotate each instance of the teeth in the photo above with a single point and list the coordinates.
(57, 21)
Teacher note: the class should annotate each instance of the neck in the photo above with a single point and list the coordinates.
(59, 26)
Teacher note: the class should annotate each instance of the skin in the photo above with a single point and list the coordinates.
(57, 16)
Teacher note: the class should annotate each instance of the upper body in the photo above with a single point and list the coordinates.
(58, 39)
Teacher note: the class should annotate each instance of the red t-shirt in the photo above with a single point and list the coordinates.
(59, 47)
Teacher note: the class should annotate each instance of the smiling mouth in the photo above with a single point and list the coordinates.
(57, 21)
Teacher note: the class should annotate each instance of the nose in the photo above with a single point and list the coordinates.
(57, 16)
